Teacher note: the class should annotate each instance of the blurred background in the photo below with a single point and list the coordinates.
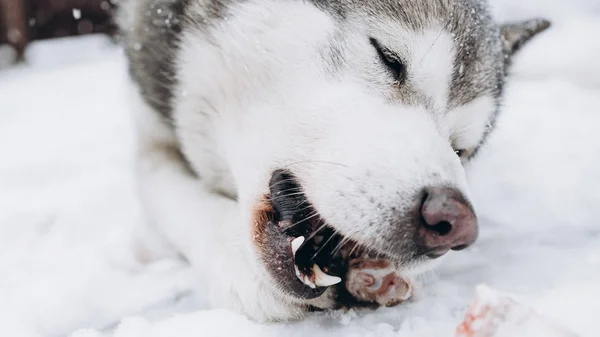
(23, 21)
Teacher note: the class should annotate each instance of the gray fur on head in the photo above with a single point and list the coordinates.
(515, 35)
(152, 39)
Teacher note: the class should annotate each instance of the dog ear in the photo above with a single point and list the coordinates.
(516, 34)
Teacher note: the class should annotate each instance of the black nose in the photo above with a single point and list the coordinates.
(449, 222)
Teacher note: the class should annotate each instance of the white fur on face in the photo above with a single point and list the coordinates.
(257, 94)
(256, 100)
(432, 62)
(428, 56)
(469, 122)
(237, 100)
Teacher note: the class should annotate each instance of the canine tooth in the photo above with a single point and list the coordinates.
(304, 278)
(324, 280)
(296, 243)
(308, 282)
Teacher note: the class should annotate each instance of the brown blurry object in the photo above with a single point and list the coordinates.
(13, 24)
(22, 21)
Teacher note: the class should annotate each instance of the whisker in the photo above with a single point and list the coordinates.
(281, 182)
(286, 195)
(301, 221)
(340, 245)
(356, 244)
(294, 188)
(436, 40)
(305, 202)
(323, 246)
(313, 234)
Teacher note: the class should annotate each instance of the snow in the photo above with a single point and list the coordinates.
(67, 202)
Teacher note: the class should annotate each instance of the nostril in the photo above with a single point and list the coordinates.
(442, 228)
(447, 222)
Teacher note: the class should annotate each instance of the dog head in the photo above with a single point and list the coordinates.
(346, 122)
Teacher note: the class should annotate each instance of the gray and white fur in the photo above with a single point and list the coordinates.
(366, 103)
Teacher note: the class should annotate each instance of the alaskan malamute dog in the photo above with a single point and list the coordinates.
(308, 154)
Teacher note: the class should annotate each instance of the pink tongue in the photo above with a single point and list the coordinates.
(376, 281)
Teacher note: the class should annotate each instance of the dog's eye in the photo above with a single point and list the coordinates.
(459, 153)
(392, 61)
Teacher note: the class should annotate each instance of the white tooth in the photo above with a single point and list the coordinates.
(308, 282)
(304, 278)
(296, 243)
(324, 280)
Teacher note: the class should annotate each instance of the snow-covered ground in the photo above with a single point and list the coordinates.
(67, 202)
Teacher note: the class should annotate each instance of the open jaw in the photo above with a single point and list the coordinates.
(305, 256)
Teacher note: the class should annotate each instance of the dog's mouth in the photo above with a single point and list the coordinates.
(306, 256)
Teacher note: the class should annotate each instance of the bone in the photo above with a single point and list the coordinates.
(324, 280)
(296, 243)
(376, 284)
(494, 314)
(377, 281)
(409, 293)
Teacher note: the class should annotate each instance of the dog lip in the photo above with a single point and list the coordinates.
(278, 257)
(436, 254)
(289, 225)
(459, 248)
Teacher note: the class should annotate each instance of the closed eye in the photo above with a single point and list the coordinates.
(391, 61)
